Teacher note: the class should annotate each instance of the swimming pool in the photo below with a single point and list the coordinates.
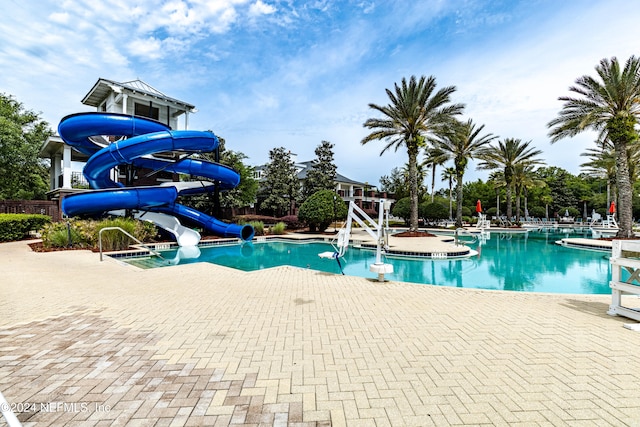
(530, 262)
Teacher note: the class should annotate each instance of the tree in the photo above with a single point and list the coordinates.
(281, 185)
(567, 189)
(421, 175)
(525, 178)
(448, 175)
(479, 190)
(402, 209)
(496, 180)
(434, 157)
(322, 174)
(433, 211)
(242, 195)
(508, 155)
(602, 164)
(23, 175)
(321, 208)
(610, 106)
(413, 113)
(395, 183)
(462, 143)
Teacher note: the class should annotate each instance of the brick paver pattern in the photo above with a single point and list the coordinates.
(85, 343)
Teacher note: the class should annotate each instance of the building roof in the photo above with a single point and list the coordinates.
(103, 87)
(305, 166)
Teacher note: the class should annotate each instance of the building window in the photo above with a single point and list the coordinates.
(145, 110)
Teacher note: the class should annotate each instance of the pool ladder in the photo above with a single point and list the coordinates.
(129, 235)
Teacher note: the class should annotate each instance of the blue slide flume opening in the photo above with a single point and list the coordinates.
(144, 138)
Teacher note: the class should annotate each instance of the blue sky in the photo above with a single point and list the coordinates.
(266, 74)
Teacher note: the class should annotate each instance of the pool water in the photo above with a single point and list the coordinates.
(529, 262)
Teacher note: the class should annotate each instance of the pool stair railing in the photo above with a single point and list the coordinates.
(128, 235)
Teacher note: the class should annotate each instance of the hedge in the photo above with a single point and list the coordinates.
(17, 226)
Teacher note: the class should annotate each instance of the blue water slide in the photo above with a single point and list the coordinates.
(144, 138)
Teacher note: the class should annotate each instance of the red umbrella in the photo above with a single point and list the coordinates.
(612, 208)
(478, 206)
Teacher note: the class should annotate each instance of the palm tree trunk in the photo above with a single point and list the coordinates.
(413, 188)
(509, 207)
(459, 200)
(433, 180)
(546, 211)
(450, 199)
(625, 192)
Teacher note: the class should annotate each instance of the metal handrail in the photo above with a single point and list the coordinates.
(118, 228)
(464, 232)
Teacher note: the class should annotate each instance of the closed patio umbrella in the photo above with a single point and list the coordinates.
(478, 206)
(612, 208)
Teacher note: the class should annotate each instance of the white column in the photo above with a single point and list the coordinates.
(55, 170)
(351, 191)
(186, 120)
(124, 103)
(66, 167)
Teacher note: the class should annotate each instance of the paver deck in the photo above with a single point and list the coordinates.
(90, 343)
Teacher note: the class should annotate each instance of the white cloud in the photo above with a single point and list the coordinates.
(259, 8)
(148, 48)
(59, 17)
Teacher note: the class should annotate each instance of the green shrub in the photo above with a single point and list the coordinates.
(17, 226)
(64, 235)
(278, 228)
(537, 212)
(433, 211)
(85, 233)
(116, 240)
(320, 209)
(402, 209)
(246, 219)
(292, 222)
(258, 227)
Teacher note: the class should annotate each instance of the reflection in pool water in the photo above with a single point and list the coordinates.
(529, 262)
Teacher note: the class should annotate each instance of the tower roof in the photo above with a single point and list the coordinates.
(103, 87)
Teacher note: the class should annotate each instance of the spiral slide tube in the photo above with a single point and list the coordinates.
(145, 138)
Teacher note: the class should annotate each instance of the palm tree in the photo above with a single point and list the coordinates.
(610, 106)
(462, 144)
(448, 175)
(414, 112)
(434, 157)
(496, 179)
(547, 199)
(602, 164)
(420, 173)
(525, 178)
(507, 156)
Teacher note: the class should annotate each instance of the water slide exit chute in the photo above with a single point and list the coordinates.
(145, 138)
